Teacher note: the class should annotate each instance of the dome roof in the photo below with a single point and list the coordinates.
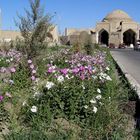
(117, 15)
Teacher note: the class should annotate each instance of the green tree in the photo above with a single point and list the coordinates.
(35, 27)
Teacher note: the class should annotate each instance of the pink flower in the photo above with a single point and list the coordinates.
(31, 66)
(1, 98)
(50, 70)
(8, 94)
(29, 61)
(82, 68)
(33, 78)
(3, 70)
(75, 70)
(64, 71)
(13, 70)
(11, 82)
(82, 77)
(33, 71)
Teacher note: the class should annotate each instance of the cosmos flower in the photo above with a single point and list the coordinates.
(95, 109)
(13, 70)
(49, 85)
(98, 90)
(1, 98)
(29, 61)
(108, 78)
(8, 94)
(98, 97)
(11, 82)
(24, 103)
(34, 109)
(64, 71)
(60, 79)
(93, 101)
(83, 87)
(32, 66)
(33, 71)
(33, 78)
(107, 68)
(3, 70)
(86, 106)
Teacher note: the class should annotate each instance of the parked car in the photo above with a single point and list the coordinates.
(137, 46)
(122, 46)
(112, 45)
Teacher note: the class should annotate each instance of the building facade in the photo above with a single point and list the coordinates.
(116, 28)
(9, 35)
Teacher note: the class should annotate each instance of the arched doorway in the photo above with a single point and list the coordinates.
(104, 37)
(129, 37)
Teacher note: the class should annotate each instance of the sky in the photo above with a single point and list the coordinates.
(69, 13)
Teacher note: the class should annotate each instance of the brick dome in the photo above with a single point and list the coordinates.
(118, 15)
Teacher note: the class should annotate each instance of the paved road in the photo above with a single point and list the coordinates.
(129, 60)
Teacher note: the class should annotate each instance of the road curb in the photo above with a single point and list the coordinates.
(133, 83)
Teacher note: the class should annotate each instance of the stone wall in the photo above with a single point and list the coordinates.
(8, 35)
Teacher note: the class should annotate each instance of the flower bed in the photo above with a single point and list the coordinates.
(78, 89)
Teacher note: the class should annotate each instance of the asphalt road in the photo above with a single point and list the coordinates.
(130, 60)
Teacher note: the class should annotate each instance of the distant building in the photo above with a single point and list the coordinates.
(116, 28)
(9, 35)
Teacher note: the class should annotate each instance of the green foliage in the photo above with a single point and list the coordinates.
(61, 112)
(76, 47)
(39, 135)
(3, 62)
(89, 48)
(21, 78)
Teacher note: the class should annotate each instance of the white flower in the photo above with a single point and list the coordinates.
(37, 80)
(100, 78)
(49, 85)
(7, 60)
(86, 106)
(34, 109)
(24, 103)
(78, 64)
(71, 77)
(67, 76)
(53, 67)
(51, 61)
(107, 68)
(95, 109)
(34, 88)
(100, 103)
(108, 78)
(98, 97)
(36, 94)
(83, 87)
(93, 101)
(60, 79)
(94, 70)
(11, 59)
(98, 90)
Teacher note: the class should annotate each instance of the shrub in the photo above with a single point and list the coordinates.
(34, 28)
